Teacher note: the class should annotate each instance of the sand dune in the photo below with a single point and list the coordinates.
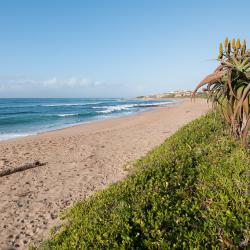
(78, 161)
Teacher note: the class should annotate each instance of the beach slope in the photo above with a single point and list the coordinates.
(73, 163)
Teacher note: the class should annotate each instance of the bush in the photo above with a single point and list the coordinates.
(190, 192)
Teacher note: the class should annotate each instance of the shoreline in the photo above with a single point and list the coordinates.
(79, 160)
(96, 119)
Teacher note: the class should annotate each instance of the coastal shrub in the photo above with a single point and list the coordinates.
(229, 86)
(191, 192)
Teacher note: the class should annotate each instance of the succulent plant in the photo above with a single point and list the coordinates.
(229, 86)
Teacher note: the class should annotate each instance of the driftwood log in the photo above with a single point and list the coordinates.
(21, 168)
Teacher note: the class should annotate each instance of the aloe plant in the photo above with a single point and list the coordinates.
(229, 86)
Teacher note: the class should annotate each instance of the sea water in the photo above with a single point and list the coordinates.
(22, 117)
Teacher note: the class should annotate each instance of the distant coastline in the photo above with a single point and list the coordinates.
(167, 95)
(171, 95)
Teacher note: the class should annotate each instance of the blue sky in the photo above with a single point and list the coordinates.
(112, 48)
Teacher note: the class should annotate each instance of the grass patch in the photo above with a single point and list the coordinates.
(190, 192)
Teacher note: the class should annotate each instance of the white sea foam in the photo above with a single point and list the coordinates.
(69, 104)
(65, 115)
(152, 104)
(4, 137)
(109, 109)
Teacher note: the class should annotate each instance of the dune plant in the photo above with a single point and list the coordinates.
(179, 197)
(228, 86)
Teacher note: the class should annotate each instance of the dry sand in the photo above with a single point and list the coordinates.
(80, 160)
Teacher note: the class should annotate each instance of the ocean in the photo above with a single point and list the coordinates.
(22, 117)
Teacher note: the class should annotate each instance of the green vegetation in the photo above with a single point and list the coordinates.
(190, 192)
(229, 86)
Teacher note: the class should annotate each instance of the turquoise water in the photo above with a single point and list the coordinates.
(22, 117)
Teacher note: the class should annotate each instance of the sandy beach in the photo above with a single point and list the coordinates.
(78, 161)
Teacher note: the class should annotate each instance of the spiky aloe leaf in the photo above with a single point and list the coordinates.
(236, 63)
(239, 92)
(246, 131)
(229, 82)
(227, 110)
(209, 80)
(245, 106)
(244, 96)
(244, 63)
(246, 67)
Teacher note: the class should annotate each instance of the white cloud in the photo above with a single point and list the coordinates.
(54, 82)
(49, 82)
(84, 82)
(72, 81)
(59, 87)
